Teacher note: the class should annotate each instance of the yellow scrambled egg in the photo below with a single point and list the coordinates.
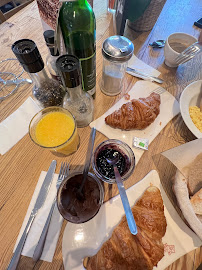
(196, 116)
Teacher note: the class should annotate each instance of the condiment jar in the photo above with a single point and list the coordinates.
(116, 51)
(46, 91)
(77, 101)
(49, 36)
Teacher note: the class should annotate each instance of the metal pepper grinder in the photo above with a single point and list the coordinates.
(46, 91)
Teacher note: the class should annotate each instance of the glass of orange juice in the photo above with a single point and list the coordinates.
(55, 128)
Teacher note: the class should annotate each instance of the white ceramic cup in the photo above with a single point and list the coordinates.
(175, 44)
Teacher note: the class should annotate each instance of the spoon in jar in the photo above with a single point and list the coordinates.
(80, 195)
(129, 215)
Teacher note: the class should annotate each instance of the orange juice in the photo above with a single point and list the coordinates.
(55, 129)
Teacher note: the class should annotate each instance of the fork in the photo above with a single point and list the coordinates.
(64, 171)
(189, 53)
(159, 90)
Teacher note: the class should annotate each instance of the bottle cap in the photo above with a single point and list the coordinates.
(28, 55)
(49, 36)
(117, 48)
(69, 69)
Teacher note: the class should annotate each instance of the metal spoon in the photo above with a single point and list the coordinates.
(129, 215)
(87, 162)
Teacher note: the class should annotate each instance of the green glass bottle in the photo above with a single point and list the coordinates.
(77, 25)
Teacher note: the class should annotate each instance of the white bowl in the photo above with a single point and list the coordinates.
(191, 97)
(171, 54)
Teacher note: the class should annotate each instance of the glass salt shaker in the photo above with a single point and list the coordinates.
(116, 51)
(46, 91)
(77, 101)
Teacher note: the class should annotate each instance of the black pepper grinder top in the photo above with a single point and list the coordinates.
(46, 91)
(28, 55)
(69, 69)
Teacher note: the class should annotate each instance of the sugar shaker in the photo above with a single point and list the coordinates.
(116, 51)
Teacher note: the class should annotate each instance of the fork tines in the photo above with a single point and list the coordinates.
(64, 169)
(188, 53)
(159, 90)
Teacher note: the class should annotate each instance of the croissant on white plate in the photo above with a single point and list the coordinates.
(124, 251)
(136, 114)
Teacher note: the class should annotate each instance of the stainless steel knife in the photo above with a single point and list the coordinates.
(143, 75)
(39, 203)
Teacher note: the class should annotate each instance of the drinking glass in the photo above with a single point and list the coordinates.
(54, 128)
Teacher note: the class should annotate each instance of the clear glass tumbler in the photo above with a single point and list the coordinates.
(54, 128)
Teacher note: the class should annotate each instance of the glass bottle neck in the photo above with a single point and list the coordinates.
(39, 77)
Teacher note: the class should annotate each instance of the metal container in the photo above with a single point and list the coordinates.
(116, 51)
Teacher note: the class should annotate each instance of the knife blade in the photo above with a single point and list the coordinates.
(38, 204)
(143, 75)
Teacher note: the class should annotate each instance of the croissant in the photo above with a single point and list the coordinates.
(124, 251)
(137, 114)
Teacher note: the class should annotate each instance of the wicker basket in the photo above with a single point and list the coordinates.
(149, 18)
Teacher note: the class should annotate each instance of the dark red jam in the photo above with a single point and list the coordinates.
(103, 166)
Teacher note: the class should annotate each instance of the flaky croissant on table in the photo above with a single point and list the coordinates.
(124, 251)
(137, 114)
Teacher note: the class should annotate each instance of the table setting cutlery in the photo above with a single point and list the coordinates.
(87, 162)
(189, 53)
(159, 90)
(64, 171)
(144, 75)
(39, 203)
(129, 215)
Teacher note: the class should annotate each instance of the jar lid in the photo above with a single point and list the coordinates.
(117, 48)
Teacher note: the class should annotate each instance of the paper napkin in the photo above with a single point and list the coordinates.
(39, 222)
(138, 64)
(169, 108)
(16, 125)
(182, 156)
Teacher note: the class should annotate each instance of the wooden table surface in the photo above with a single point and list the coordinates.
(21, 166)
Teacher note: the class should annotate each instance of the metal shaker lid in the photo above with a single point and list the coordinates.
(117, 48)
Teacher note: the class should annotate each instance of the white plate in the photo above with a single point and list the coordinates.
(81, 240)
(190, 97)
(169, 108)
